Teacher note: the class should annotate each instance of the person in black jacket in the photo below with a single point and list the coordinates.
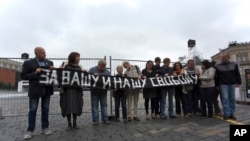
(227, 77)
(30, 71)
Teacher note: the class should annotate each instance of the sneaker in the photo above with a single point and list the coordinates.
(129, 119)
(232, 117)
(117, 120)
(125, 120)
(95, 123)
(147, 116)
(69, 128)
(46, 131)
(136, 119)
(28, 135)
(186, 116)
(106, 122)
(189, 114)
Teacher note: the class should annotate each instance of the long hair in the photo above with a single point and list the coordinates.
(174, 65)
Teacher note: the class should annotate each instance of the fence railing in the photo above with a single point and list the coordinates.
(13, 90)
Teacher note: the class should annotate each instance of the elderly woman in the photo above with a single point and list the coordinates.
(71, 98)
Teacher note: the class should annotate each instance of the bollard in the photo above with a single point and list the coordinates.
(1, 115)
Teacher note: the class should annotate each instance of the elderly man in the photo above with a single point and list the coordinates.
(133, 94)
(227, 77)
(30, 71)
(98, 94)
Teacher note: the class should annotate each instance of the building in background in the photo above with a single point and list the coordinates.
(239, 53)
(9, 73)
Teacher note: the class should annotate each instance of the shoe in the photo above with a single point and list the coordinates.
(172, 116)
(186, 116)
(95, 123)
(164, 118)
(125, 120)
(106, 122)
(147, 117)
(76, 126)
(225, 117)
(209, 116)
(178, 115)
(117, 120)
(203, 116)
(189, 114)
(232, 117)
(69, 128)
(158, 116)
(28, 135)
(46, 131)
(129, 119)
(136, 119)
(153, 116)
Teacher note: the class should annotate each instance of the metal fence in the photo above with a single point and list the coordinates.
(15, 103)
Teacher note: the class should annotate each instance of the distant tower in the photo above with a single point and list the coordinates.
(193, 53)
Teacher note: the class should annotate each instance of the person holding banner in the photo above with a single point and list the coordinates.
(30, 71)
(207, 89)
(166, 71)
(157, 67)
(149, 93)
(99, 95)
(71, 98)
(120, 97)
(133, 94)
(180, 91)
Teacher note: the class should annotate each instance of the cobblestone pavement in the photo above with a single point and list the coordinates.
(179, 129)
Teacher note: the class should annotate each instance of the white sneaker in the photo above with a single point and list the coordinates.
(46, 131)
(28, 135)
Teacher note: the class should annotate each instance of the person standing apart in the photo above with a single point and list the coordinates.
(133, 94)
(30, 71)
(228, 77)
(99, 95)
(71, 98)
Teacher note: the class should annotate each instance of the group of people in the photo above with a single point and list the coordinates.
(192, 99)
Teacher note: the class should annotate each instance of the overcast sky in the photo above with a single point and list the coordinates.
(123, 29)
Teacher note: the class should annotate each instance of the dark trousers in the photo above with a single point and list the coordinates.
(180, 100)
(157, 101)
(216, 102)
(152, 105)
(192, 101)
(33, 105)
(206, 101)
(120, 99)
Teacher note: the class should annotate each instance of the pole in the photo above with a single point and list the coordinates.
(1, 115)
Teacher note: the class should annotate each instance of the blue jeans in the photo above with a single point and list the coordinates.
(33, 104)
(95, 98)
(227, 93)
(164, 92)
